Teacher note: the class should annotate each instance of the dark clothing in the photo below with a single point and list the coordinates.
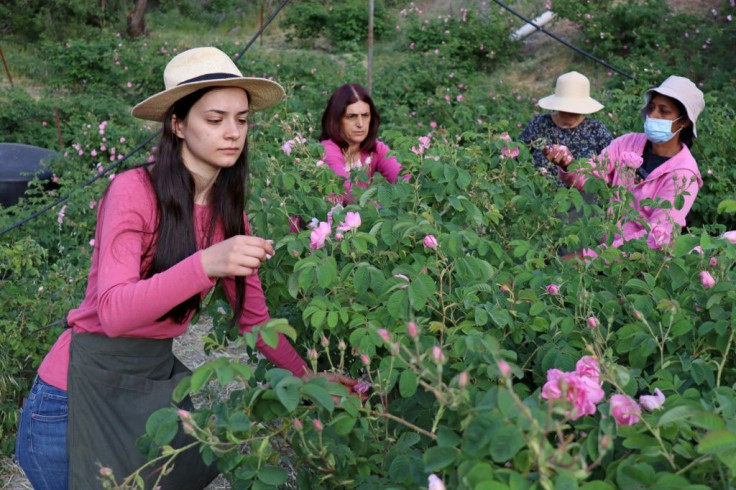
(585, 140)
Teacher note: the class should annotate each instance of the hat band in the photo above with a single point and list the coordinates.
(209, 76)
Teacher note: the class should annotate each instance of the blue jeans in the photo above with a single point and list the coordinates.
(41, 442)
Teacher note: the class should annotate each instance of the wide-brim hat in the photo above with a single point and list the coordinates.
(682, 90)
(572, 94)
(198, 68)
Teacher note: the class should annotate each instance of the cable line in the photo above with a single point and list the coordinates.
(559, 39)
(99, 175)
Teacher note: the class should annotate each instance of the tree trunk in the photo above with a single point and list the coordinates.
(137, 20)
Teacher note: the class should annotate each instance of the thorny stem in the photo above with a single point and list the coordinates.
(725, 357)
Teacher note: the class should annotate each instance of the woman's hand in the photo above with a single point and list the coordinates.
(560, 155)
(346, 381)
(240, 255)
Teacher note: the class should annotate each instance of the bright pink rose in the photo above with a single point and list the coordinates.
(658, 237)
(553, 289)
(625, 410)
(507, 152)
(412, 329)
(582, 392)
(593, 322)
(319, 235)
(504, 367)
(430, 241)
(352, 222)
(652, 402)
(706, 279)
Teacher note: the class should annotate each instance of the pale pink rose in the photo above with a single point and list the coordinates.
(61, 214)
(553, 289)
(365, 360)
(286, 147)
(319, 235)
(625, 410)
(430, 241)
(659, 237)
(652, 402)
(631, 159)
(706, 279)
(462, 379)
(435, 483)
(384, 334)
(362, 386)
(438, 355)
(730, 236)
(593, 322)
(317, 425)
(352, 221)
(713, 262)
(505, 136)
(697, 249)
(412, 329)
(588, 366)
(507, 152)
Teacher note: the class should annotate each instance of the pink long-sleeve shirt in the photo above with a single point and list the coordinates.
(389, 167)
(678, 175)
(118, 302)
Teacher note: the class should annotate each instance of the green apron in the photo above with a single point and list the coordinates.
(115, 384)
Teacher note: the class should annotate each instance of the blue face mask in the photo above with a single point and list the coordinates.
(659, 130)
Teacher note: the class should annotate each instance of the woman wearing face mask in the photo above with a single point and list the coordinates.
(656, 164)
(350, 138)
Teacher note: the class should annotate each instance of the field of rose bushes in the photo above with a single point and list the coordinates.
(488, 362)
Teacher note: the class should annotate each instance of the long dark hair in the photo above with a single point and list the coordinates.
(350, 93)
(174, 189)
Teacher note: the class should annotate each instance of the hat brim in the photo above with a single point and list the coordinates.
(672, 94)
(262, 93)
(568, 104)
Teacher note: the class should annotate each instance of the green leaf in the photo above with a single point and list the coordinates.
(327, 272)
(400, 468)
(287, 391)
(408, 383)
(319, 395)
(343, 424)
(505, 442)
(717, 441)
(200, 376)
(238, 422)
(273, 475)
(270, 337)
(676, 414)
(436, 458)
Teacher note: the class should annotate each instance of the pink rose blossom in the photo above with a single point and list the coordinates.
(553, 289)
(652, 402)
(658, 237)
(625, 410)
(593, 322)
(430, 241)
(352, 221)
(581, 391)
(362, 386)
(435, 483)
(412, 329)
(438, 355)
(507, 152)
(504, 367)
(587, 366)
(365, 360)
(462, 379)
(730, 236)
(319, 235)
(713, 262)
(317, 425)
(298, 425)
(62, 213)
(384, 334)
(631, 159)
(505, 136)
(706, 279)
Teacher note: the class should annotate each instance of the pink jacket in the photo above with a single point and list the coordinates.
(617, 165)
(389, 167)
(119, 303)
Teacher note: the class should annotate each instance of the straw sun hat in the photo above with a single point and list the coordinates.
(682, 90)
(572, 94)
(198, 68)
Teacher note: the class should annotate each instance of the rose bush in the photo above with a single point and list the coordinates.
(444, 294)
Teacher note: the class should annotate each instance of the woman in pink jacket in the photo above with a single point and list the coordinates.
(350, 138)
(654, 165)
(166, 233)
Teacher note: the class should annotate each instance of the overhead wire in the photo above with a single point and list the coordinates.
(135, 150)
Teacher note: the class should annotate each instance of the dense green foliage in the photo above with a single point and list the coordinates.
(440, 401)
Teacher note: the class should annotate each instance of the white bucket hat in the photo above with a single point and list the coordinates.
(198, 68)
(682, 90)
(572, 94)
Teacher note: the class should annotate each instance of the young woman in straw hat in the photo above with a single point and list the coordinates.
(654, 165)
(166, 233)
(566, 133)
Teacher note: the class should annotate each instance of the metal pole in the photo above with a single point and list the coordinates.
(6, 66)
(370, 46)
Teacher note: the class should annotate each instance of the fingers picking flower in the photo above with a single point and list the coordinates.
(435, 483)
(652, 402)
